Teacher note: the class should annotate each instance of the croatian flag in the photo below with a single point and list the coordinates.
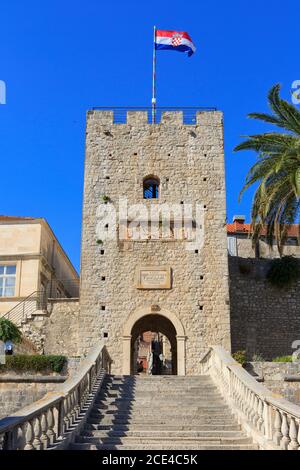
(175, 41)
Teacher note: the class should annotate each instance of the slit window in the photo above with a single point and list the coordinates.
(151, 188)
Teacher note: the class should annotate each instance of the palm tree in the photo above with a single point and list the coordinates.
(276, 203)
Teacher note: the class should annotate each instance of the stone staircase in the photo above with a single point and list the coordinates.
(161, 413)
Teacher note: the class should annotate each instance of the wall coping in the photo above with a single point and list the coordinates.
(33, 379)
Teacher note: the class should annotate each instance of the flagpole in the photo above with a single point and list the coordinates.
(154, 78)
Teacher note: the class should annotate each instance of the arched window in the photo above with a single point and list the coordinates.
(151, 188)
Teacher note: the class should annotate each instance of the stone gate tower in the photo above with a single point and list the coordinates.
(160, 283)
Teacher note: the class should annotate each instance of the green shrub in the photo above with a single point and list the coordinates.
(9, 331)
(105, 198)
(284, 272)
(283, 359)
(22, 362)
(240, 357)
(257, 358)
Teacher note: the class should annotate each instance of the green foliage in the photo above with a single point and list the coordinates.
(100, 242)
(240, 357)
(283, 359)
(35, 363)
(276, 204)
(9, 331)
(105, 198)
(284, 272)
(257, 358)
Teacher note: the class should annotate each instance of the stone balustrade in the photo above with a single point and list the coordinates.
(54, 421)
(273, 423)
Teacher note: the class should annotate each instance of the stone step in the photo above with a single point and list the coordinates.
(150, 441)
(195, 446)
(150, 415)
(162, 386)
(161, 434)
(161, 413)
(160, 408)
(159, 402)
(162, 421)
(161, 393)
(176, 378)
(163, 427)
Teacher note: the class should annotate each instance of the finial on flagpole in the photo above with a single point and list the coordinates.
(154, 78)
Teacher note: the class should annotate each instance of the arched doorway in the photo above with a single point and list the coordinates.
(158, 328)
(154, 318)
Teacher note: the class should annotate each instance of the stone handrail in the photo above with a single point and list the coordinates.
(54, 420)
(273, 423)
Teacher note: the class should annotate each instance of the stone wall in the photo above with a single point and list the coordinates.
(189, 162)
(283, 379)
(264, 320)
(16, 394)
(55, 331)
(62, 327)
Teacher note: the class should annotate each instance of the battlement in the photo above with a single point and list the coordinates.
(164, 116)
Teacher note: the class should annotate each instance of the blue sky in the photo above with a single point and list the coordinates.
(60, 58)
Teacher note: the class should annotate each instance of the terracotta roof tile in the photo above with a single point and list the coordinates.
(237, 227)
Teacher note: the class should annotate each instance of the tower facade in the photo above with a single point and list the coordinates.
(154, 250)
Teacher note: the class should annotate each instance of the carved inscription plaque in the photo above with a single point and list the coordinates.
(149, 277)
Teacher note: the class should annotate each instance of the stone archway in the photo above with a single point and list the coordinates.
(130, 330)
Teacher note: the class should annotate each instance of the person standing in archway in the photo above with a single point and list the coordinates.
(150, 362)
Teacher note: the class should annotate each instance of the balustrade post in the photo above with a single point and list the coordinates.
(293, 445)
(65, 415)
(61, 418)
(260, 422)
(285, 433)
(44, 429)
(50, 431)
(37, 444)
(19, 438)
(277, 428)
(267, 421)
(29, 436)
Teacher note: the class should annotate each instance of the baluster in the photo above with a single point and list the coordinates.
(293, 445)
(248, 404)
(77, 401)
(247, 400)
(44, 428)
(37, 433)
(69, 415)
(266, 416)
(285, 432)
(260, 421)
(50, 432)
(29, 436)
(74, 403)
(298, 439)
(71, 409)
(277, 428)
(20, 440)
(65, 416)
(252, 409)
(2, 439)
(255, 417)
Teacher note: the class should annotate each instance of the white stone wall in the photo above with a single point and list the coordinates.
(189, 160)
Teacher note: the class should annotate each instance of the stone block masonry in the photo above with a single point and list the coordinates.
(265, 320)
(188, 160)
